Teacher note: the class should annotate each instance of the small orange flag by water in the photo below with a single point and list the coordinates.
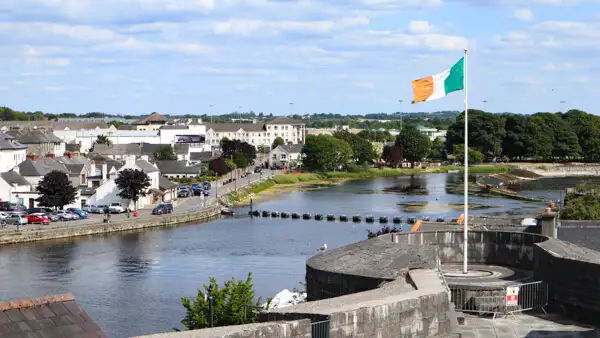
(461, 219)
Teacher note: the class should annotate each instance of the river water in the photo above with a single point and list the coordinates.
(132, 283)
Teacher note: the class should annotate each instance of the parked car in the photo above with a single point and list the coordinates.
(52, 217)
(37, 218)
(257, 169)
(93, 209)
(63, 215)
(116, 208)
(3, 215)
(163, 208)
(16, 219)
(197, 191)
(74, 215)
(183, 193)
(102, 208)
(79, 212)
(8, 206)
(206, 192)
(38, 210)
(206, 185)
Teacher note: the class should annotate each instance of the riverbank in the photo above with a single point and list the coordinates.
(76, 230)
(286, 183)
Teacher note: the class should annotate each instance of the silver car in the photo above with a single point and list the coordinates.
(16, 219)
(63, 215)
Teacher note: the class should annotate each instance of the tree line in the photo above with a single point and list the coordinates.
(541, 136)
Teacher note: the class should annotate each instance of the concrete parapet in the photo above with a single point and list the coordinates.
(416, 307)
(100, 228)
(289, 329)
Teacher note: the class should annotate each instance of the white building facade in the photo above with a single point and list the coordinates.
(258, 134)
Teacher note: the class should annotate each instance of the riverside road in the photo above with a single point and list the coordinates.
(182, 205)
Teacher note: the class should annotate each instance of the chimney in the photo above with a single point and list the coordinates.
(93, 168)
(51, 155)
(31, 156)
(68, 154)
(130, 160)
(104, 172)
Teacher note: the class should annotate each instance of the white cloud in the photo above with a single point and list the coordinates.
(524, 14)
(59, 62)
(53, 89)
(556, 67)
(269, 28)
(419, 27)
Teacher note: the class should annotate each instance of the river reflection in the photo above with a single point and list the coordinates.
(132, 283)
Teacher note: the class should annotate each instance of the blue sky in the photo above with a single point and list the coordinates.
(338, 56)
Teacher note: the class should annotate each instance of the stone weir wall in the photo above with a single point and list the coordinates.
(101, 228)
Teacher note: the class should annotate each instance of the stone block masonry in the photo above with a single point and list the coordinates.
(102, 228)
(418, 307)
(290, 329)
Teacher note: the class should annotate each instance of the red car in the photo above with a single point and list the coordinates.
(37, 218)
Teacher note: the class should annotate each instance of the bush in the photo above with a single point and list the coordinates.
(233, 304)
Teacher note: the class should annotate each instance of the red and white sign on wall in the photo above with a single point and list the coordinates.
(512, 296)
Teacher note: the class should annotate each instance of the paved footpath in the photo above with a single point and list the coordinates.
(525, 325)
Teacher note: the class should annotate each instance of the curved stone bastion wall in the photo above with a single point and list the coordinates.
(572, 272)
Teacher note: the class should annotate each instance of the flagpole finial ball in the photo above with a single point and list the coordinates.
(466, 49)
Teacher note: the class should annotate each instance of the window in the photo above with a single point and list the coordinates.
(274, 156)
(283, 156)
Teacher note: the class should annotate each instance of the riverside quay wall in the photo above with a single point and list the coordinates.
(30, 235)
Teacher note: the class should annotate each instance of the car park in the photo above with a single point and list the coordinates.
(38, 210)
(116, 208)
(78, 212)
(16, 219)
(52, 217)
(3, 215)
(63, 215)
(93, 209)
(183, 193)
(163, 208)
(37, 218)
(102, 208)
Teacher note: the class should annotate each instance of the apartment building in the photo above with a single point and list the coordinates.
(257, 134)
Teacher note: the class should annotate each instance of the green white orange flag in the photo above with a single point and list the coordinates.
(439, 85)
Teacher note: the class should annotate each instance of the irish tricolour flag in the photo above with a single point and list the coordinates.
(439, 85)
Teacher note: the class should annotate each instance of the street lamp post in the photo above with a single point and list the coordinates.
(401, 114)
(210, 305)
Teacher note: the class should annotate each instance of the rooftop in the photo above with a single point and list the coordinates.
(284, 120)
(153, 118)
(48, 317)
(176, 167)
(291, 148)
(234, 127)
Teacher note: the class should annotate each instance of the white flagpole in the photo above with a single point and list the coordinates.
(466, 220)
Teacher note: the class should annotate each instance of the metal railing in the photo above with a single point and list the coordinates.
(531, 296)
(321, 329)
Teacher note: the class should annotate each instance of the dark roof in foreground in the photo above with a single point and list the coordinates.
(176, 167)
(165, 184)
(48, 317)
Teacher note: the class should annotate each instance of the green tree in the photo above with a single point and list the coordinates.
(56, 190)
(132, 184)
(165, 153)
(538, 144)
(392, 155)
(514, 143)
(278, 141)
(325, 153)
(102, 139)
(218, 166)
(474, 155)
(234, 303)
(438, 148)
(486, 131)
(415, 146)
(587, 128)
(565, 143)
(240, 160)
(362, 149)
